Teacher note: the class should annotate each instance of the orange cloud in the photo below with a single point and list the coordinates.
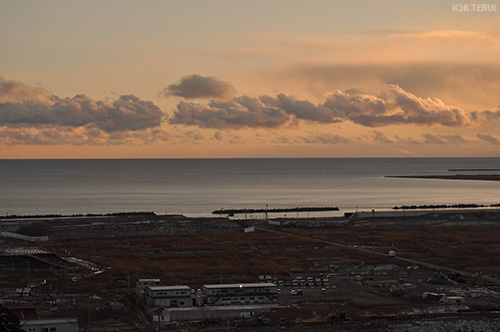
(24, 106)
(442, 34)
(391, 106)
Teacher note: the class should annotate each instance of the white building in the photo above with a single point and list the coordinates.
(50, 325)
(454, 299)
(168, 296)
(241, 294)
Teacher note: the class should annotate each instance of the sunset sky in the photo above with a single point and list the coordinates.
(274, 78)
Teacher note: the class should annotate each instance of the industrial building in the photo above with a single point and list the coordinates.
(240, 294)
(142, 284)
(209, 313)
(211, 295)
(50, 325)
(168, 296)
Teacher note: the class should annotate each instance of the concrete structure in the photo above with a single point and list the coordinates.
(278, 222)
(24, 237)
(433, 296)
(142, 284)
(411, 213)
(33, 258)
(454, 299)
(168, 296)
(241, 294)
(208, 313)
(50, 325)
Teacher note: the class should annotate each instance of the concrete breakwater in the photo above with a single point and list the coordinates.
(480, 177)
(297, 209)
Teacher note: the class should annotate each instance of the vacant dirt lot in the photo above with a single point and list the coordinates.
(202, 251)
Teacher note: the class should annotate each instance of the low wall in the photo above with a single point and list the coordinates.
(25, 237)
(414, 213)
(208, 313)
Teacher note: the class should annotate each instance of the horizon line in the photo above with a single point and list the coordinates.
(247, 158)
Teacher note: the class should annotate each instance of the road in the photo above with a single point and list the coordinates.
(369, 251)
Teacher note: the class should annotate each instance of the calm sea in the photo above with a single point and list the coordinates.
(196, 187)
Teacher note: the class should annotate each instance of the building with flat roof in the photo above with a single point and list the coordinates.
(168, 296)
(240, 294)
(209, 313)
(50, 325)
(141, 285)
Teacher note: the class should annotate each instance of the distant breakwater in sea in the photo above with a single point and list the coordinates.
(477, 177)
(298, 209)
(443, 206)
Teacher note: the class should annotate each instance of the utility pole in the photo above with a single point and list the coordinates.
(128, 281)
(88, 317)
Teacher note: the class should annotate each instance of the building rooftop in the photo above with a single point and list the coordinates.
(253, 285)
(158, 288)
(48, 321)
(144, 280)
(248, 307)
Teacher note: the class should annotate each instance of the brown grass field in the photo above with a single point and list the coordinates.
(234, 256)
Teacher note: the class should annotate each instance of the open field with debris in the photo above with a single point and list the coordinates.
(373, 289)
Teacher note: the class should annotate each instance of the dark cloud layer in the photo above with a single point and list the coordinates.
(326, 139)
(24, 106)
(196, 86)
(426, 138)
(391, 106)
(80, 136)
(380, 137)
(489, 139)
(238, 113)
(486, 116)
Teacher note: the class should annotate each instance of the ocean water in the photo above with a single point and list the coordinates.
(196, 187)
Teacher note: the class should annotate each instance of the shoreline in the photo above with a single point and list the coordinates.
(128, 215)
